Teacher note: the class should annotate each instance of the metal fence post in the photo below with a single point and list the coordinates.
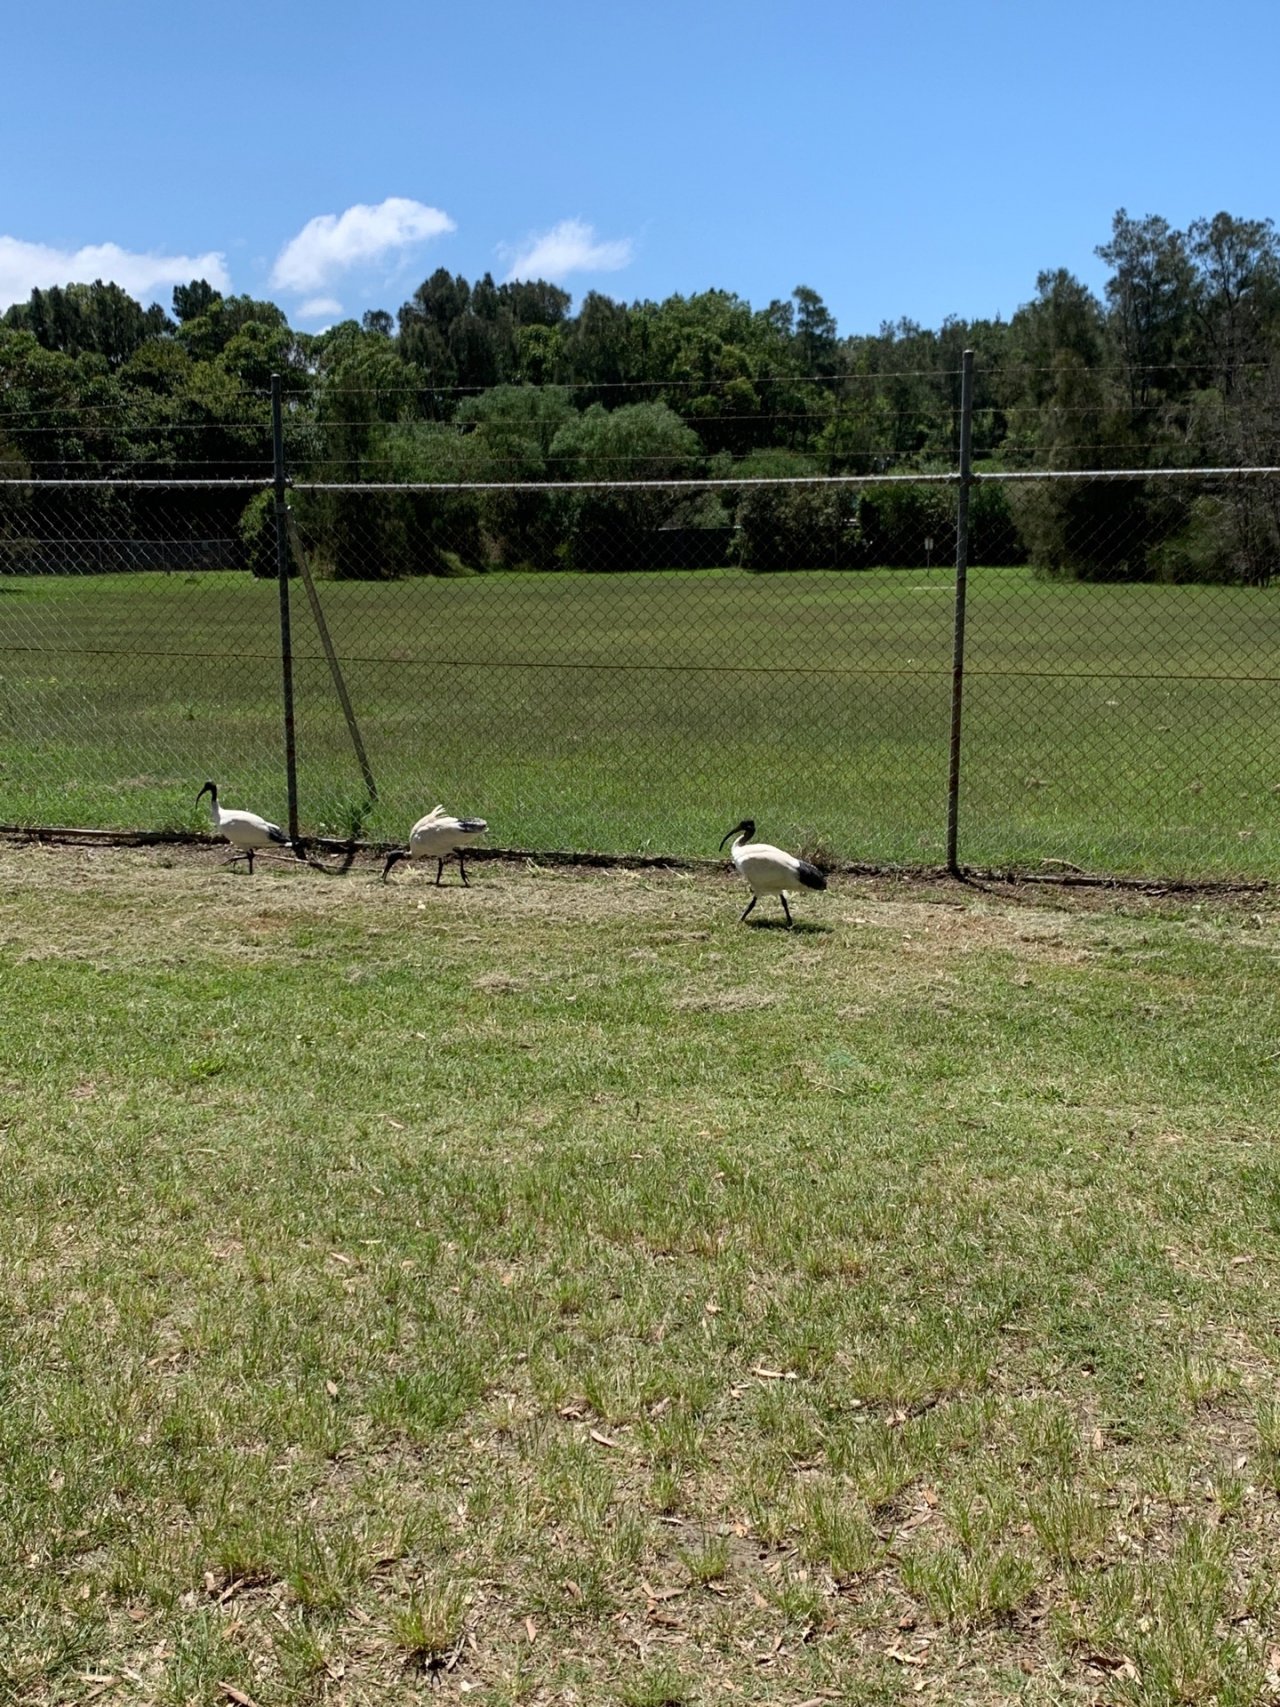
(962, 585)
(286, 636)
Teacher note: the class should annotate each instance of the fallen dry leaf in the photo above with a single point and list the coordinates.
(664, 1620)
(905, 1659)
(237, 1695)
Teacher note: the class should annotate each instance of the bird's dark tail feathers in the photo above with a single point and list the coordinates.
(810, 876)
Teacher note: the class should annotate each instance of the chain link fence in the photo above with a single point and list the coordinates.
(630, 667)
(1121, 703)
(137, 656)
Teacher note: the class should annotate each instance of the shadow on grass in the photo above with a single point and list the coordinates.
(801, 927)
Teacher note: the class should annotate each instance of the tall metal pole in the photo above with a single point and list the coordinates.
(962, 586)
(286, 635)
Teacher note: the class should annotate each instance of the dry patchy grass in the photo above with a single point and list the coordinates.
(553, 1290)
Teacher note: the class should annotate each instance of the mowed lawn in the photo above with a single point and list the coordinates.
(557, 1291)
(1120, 729)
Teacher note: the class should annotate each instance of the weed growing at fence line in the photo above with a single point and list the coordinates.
(555, 1285)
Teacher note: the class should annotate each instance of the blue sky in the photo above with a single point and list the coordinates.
(905, 158)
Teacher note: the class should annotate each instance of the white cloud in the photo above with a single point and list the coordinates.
(332, 242)
(25, 267)
(570, 247)
(320, 308)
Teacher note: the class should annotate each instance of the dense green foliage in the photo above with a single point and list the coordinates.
(1177, 366)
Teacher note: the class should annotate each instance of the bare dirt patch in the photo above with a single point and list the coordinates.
(1035, 918)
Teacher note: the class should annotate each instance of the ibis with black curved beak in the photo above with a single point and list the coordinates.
(768, 870)
(245, 830)
(436, 837)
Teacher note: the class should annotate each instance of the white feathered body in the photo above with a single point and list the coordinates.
(771, 871)
(246, 829)
(438, 834)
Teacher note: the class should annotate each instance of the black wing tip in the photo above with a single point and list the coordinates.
(811, 877)
(472, 825)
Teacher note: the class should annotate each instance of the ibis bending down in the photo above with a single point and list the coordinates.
(767, 869)
(435, 837)
(245, 830)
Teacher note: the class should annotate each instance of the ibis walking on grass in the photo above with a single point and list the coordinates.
(436, 837)
(768, 870)
(244, 830)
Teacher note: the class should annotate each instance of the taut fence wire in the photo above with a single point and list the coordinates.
(1044, 670)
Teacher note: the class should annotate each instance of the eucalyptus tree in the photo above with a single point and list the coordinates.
(1151, 298)
(88, 319)
(600, 355)
(1236, 294)
(512, 430)
(1235, 531)
(614, 529)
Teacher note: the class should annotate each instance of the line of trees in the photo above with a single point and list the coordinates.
(1177, 364)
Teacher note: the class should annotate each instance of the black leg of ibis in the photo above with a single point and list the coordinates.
(248, 853)
(750, 904)
(439, 871)
(787, 911)
(462, 868)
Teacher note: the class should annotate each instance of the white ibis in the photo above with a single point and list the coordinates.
(767, 869)
(435, 837)
(244, 830)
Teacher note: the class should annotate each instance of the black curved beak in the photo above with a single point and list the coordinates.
(736, 828)
(207, 789)
(392, 859)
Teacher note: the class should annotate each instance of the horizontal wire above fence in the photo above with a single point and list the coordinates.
(690, 482)
(683, 484)
(241, 483)
(1234, 473)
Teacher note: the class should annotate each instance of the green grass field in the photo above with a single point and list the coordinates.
(1131, 730)
(563, 1292)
